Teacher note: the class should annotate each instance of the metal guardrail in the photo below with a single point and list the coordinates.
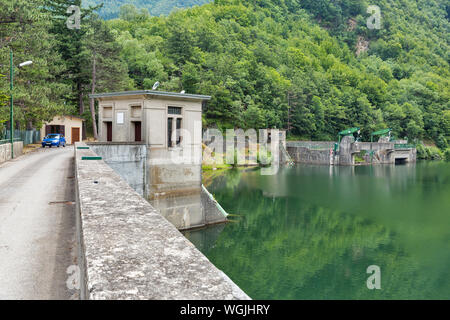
(27, 136)
(404, 146)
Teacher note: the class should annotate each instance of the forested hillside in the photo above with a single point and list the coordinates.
(111, 8)
(258, 59)
(312, 65)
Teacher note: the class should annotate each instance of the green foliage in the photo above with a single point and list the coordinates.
(60, 78)
(447, 154)
(265, 63)
(113, 8)
(429, 153)
(38, 93)
(69, 44)
(268, 62)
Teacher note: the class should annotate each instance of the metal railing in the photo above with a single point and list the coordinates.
(404, 146)
(27, 136)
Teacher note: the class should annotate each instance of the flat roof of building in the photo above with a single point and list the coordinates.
(151, 93)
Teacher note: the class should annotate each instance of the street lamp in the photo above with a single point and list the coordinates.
(11, 115)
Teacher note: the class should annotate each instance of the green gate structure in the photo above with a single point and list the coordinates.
(380, 133)
(347, 132)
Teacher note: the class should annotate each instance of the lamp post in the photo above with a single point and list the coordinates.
(11, 111)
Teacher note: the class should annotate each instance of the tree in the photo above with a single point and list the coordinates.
(70, 46)
(38, 94)
(109, 72)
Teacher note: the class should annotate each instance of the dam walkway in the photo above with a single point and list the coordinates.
(37, 225)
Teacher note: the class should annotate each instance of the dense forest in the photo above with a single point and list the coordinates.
(111, 8)
(310, 66)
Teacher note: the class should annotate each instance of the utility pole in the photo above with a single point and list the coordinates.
(11, 111)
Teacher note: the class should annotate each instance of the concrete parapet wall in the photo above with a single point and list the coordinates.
(169, 174)
(127, 159)
(305, 155)
(5, 151)
(191, 210)
(129, 251)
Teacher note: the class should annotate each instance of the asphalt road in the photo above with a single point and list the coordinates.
(37, 225)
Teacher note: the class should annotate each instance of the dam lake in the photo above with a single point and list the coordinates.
(311, 232)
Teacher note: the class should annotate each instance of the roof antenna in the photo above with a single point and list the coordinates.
(156, 85)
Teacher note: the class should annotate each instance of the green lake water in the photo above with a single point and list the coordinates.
(310, 232)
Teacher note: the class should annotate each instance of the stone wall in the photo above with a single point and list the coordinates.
(174, 172)
(310, 156)
(317, 145)
(5, 151)
(129, 251)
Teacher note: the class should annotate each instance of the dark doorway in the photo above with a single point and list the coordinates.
(108, 131)
(169, 132)
(49, 129)
(401, 161)
(137, 131)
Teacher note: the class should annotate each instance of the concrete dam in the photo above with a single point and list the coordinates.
(127, 249)
(180, 197)
(351, 152)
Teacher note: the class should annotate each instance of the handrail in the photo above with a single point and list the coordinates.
(404, 146)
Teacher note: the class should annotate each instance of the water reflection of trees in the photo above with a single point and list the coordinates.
(289, 248)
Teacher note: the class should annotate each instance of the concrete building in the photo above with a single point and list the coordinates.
(169, 124)
(153, 139)
(70, 126)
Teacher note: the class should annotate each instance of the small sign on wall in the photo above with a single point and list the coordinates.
(120, 117)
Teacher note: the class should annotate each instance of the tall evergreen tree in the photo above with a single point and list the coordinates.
(108, 71)
(24, 29)
(70, 46)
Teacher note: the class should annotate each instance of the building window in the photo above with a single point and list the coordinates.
(174, 110)
(136, 111)
(174, 125)
(107, 112)
(169, 132)
(178, 135)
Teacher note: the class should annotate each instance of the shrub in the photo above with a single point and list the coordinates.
(421, 152)
(429, 153)
(441, 142)
(434, 153)
(447, 154)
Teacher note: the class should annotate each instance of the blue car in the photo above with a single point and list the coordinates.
(54, 140)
